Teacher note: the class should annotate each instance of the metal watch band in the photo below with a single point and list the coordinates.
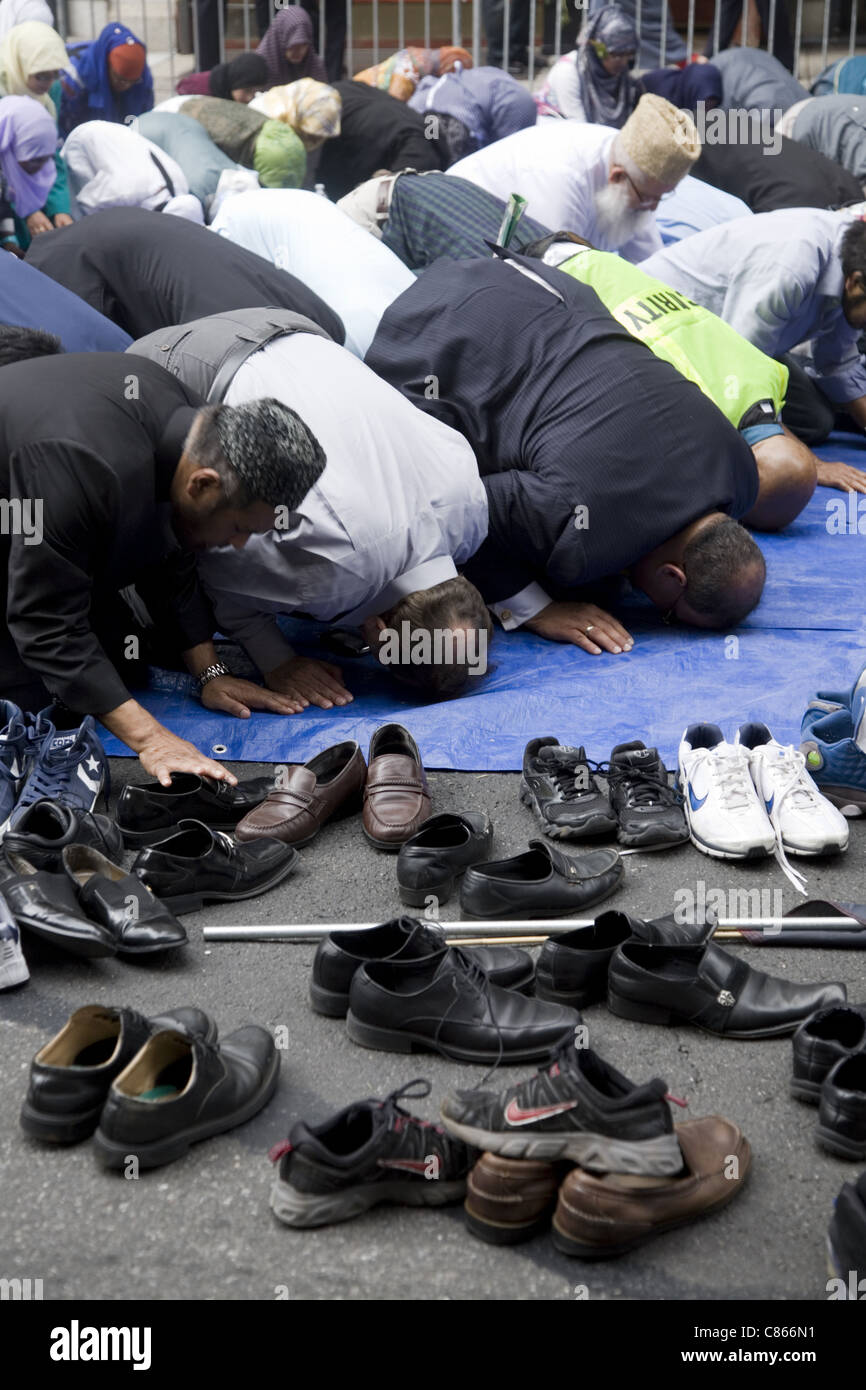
(210, 673)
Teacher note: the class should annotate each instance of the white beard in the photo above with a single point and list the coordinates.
(615, 221)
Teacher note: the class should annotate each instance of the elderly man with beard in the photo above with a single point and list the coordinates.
(601, 183)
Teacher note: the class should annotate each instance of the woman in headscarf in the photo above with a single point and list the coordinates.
(238, 80)
(28, 140)
(32, 57)
(287, 48)
(114, 166)
(594, 82)
(107, 80)
(312, 109)
(400, 74)
(14, 12)
(251, 139)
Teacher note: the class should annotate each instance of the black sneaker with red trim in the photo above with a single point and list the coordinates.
(576, 1107)
(373, 1151)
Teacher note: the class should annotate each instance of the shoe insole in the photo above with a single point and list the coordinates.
(96, 1054)
(172, 1079)
(158, 1093)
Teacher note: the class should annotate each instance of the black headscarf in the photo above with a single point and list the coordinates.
(247, 70)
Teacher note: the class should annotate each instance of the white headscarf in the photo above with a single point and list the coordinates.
(14, 12)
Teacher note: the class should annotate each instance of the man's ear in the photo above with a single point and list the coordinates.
(671, 581)
(203, 484)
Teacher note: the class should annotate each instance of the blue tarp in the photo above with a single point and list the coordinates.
(809, 632)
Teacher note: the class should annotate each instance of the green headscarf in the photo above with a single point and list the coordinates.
(279, 158)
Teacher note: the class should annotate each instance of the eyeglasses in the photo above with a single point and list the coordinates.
(644, 200)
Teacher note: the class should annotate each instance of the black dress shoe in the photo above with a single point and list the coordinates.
(703, 985)
(822, 1041)
(434, 857)
(45, 905)
(846, 1239)
(180, 1089)
(341, 954)
(543, 882)
(119, 901)
(47, 827)
(445, 1003)
(198, 865)
(842, 1108)
(572, 968)
(146, 814)
(71, 1074)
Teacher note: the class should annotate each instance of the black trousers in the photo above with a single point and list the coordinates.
(493, 15)
(807, 412)
(335, 33)
(207, 48)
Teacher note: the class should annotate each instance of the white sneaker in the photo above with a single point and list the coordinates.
(806, 821)
(13, 966)
(726, 816)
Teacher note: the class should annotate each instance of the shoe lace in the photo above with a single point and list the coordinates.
(401, 1120)
(565, 770)
(791, 782)
(730, 774)
(471, 974)
(640, 787)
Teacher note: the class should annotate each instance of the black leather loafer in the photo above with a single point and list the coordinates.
(71, 1074)
(341, 954)
(572, 968)
(147, 814)
(432, 859)
(445, 1003)
(198, 865)
(703, 985)
(45, 905)
(823, 1040)
(842, 1109)
(119, 901)
(543, 882)
(180, 1089)
(47, 827)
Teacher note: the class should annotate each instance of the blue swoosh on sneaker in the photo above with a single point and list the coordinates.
(696, 802)
(769, 804)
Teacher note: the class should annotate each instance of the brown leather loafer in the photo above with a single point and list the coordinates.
(396, 799)
(326, 788)
(597, 1217)
(510, 1199)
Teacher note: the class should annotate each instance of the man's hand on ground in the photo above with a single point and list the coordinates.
(842, 476)
(309, 682)
(238, 697)
(568, 622)
(163, 753)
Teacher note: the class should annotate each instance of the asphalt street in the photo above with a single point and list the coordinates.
(201, 1228)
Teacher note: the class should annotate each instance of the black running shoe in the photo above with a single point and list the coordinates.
(560, 789)
(577, 1107)
(649, 810)
(373, 1151)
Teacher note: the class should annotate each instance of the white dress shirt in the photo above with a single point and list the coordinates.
(559, 167)
(399, 505)
(776, 277)
(311, 238)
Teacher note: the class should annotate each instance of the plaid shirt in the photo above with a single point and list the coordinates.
(433, 215)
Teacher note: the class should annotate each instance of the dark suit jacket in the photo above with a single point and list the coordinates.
(564, 410)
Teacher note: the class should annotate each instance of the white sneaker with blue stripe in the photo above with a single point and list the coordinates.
(726, 817)
(13, 966)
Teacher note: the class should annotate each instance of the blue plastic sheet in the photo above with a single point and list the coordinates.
(809, 632)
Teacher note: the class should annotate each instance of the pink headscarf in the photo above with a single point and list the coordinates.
(27, 131)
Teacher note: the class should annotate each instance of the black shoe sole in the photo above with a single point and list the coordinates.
(135, 951)
(570, 999)
(112, 1153)
(399, 1040)
(641, 1011)
(420, 897)
(501, 1233)
(192, 902)
(653, 839)
(59, 1129)
(88, 948)
(305, 1210)
(839, 1145)
(594, 826)
(809, 1092)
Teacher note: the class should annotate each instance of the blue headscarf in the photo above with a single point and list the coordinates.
(91, 62)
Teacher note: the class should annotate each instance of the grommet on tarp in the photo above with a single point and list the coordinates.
(219, 748)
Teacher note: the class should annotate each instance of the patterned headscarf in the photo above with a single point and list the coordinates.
(607, 98)
(290, 26)
(312, 109)
(27, 131)
(28, 48)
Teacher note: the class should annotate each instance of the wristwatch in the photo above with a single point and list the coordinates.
(210, 673)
